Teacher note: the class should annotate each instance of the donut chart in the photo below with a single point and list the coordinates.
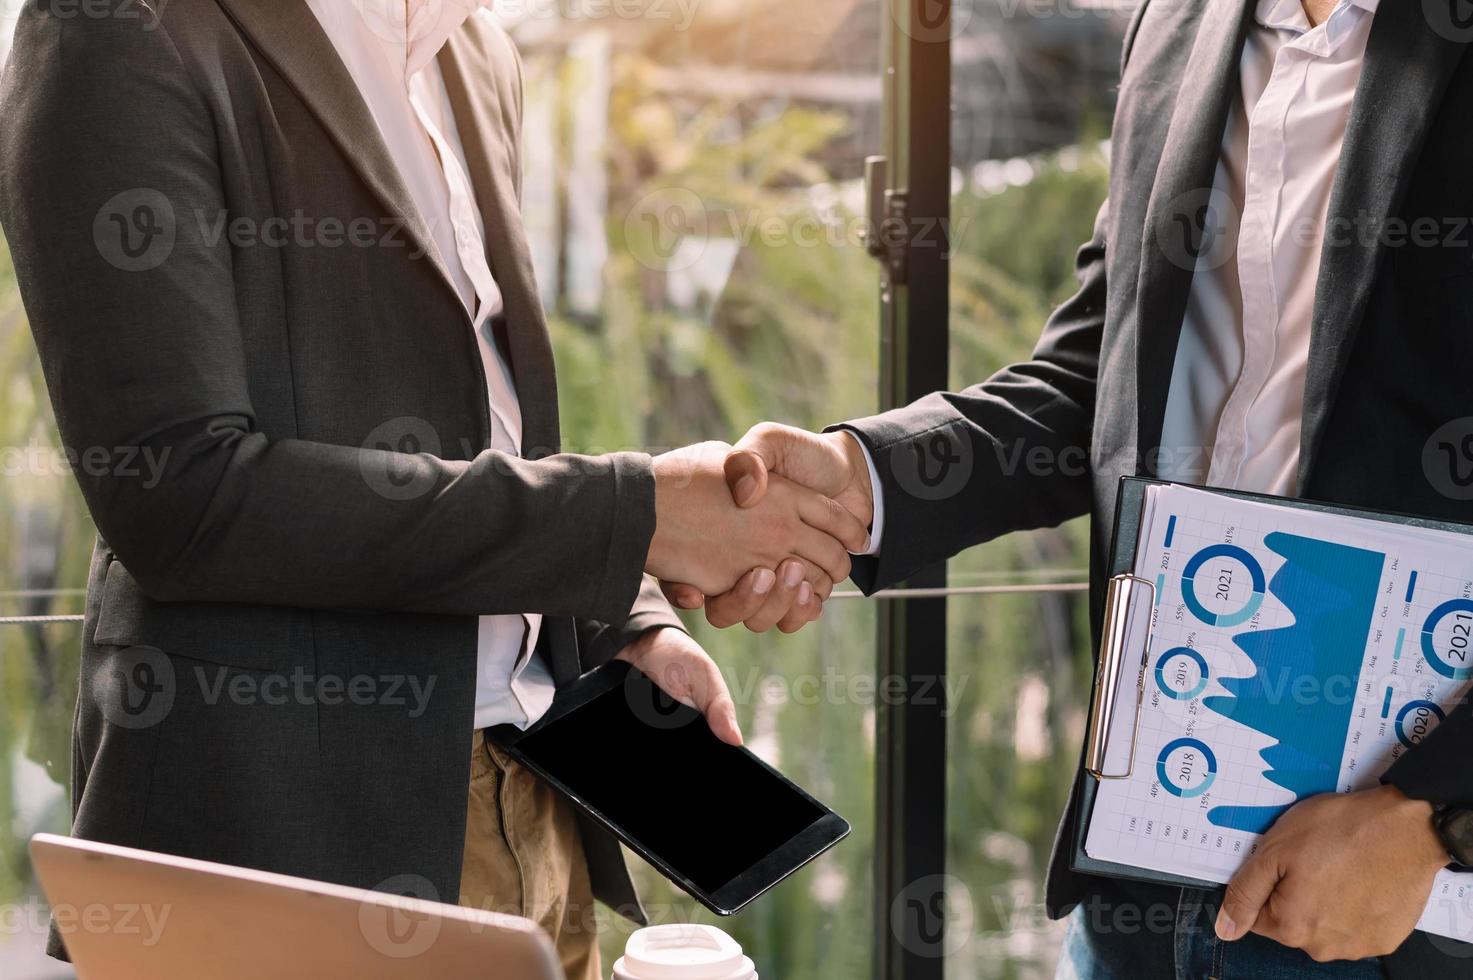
(1464, 609)
(1194, 603)
(1413, 721)
(1186, 764)
(1163, 679)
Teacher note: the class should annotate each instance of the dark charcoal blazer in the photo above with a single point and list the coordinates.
(1392, 339)
(328, 507)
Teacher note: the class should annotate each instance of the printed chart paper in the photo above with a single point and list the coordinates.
(1290, 653)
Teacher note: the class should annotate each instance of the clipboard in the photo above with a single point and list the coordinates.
(1118, 663)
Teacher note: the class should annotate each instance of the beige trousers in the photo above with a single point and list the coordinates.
(523, 856)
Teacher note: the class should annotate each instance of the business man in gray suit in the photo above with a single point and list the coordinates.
(275, 248)
(1276, 298)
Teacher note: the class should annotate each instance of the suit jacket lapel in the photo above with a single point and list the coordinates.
(494, 172)
(288, 34)
(1182, 187)
(1407, 68)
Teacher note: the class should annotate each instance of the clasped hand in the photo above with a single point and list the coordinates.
(760, 532)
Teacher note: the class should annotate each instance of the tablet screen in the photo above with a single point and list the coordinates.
(709, 810)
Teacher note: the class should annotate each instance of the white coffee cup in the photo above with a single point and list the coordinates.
(683, 952)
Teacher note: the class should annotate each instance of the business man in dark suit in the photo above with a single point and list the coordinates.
(275, 247)
(1276, 298)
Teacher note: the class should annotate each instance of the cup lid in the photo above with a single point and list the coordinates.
(685, 952)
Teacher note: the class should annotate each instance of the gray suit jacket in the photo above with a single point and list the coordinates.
(226, 276)
(1047, 440)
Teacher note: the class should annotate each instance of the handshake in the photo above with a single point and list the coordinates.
(759, 533)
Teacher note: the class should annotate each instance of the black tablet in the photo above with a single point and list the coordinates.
(715, 819)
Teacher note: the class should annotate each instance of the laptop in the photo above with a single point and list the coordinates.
(125, 913)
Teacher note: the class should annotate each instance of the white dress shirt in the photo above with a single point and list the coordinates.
(1236, 402)
(389, 47)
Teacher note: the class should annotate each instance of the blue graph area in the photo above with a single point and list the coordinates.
(1331, 591)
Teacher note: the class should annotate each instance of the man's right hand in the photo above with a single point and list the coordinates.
(703, 539)
(832, 464)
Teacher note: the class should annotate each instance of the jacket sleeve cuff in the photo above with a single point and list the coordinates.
(909, 543)
(651, 611)
(627, 544)
(598, 643)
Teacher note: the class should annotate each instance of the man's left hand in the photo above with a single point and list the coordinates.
(1342, 876)
(680, 668)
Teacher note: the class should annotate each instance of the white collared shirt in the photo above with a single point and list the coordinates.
(389, 47)
(1237, 389)
(1235, 407)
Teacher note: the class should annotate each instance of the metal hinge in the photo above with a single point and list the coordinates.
(886, 221)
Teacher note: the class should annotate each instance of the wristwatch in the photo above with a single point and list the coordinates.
(1455, 827)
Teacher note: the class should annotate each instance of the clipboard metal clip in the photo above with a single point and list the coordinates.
(1120, 599)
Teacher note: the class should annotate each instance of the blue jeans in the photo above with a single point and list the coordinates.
(1123, 940)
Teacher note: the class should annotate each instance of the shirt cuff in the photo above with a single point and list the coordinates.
(877, 524)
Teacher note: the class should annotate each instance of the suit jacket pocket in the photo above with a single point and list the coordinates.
(268, 638)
